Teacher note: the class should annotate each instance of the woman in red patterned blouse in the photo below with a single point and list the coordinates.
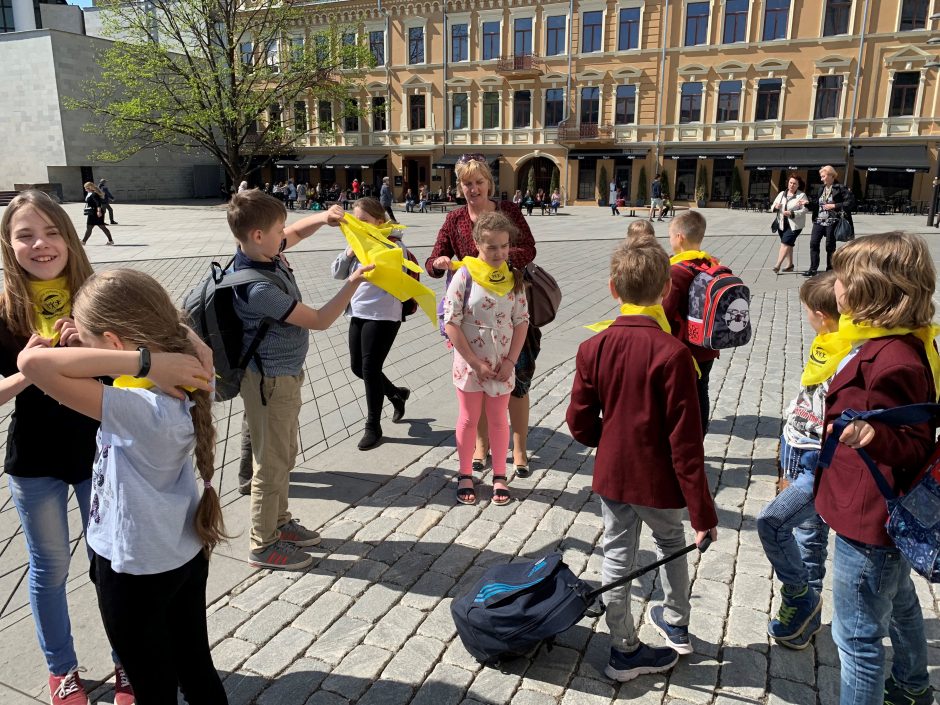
(455, 240)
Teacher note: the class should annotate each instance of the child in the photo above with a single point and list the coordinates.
(650, 461)
(271, 385)
(43, 267)
(686, 232)
(884, 288)
(800, 564)
(641, 234)
(149, 531)
(94, 212)
(375, 317)
(488, 329)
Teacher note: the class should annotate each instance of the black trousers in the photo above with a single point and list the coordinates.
(369, 345)
(702, 386)
(157, 626)
(820, 232)
(110, 211)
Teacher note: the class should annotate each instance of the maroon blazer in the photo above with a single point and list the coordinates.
(676, 306)
(886, 372)
(634, 399)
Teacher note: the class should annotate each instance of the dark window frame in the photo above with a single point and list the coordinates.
(729, 102)
(628, 29)
(416, 53)
(377, 46)
(491, 46)
(596, 42)
(913, 15)
(351, 122)
(555, 36)
(379, 114)
(491, 110)
(776, 20)
(464, 115)
(625, 105)
(325, 107)
(903, 102)
(696, 26)
(768, 97)
(736, 21)
(690, 103)
(554, 106)
(837, 17)
(300, 116)
(521, 109)
(524, 34)
(417, 111)
(460, 43)
(828, 97)
(593, 103)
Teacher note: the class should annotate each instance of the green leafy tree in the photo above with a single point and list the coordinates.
(664, 182)
(554, 182)
(226, 77)
(602, 184)
(642, 190)
(530, 182)
(736, 192)
(701, 187)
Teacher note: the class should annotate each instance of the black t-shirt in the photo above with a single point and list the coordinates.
(44, 438)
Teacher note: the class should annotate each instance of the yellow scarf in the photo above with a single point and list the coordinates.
(51, 301)
(687, 255)
(829, 349)
(371, 245)
(655, 312)
(129, 382)
(497, 280)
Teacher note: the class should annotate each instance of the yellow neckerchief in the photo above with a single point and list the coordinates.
(129, 382)
(496, 280)
(371, 245)
(687, 255)
(51, 301)
(829, 349)
(655, 312)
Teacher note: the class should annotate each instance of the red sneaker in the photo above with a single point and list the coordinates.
(123, 692)
(67, 689)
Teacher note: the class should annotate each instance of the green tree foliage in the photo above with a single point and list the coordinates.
(736, 192)
(664, 182)
(602, 184)
(642, 190)
(226, 77)
(554, 183)
(701, 187)
(530, 182)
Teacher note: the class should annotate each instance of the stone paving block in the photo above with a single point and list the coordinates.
(268, 622)
(343, 529)
(374, 603)
(460, 517)
(337, 641)
(308, 588)
(243, 688)
(582, 536)
(793, 665)
(499, 550)
(387, 693)
(693, 679)
(436, 541)
(551, 671)
(743, 672)
(588, 691)
(747, 627)
(710, 596)
(420, 522)
(467, 581)
(395, 628)
(377, 529)
(715, 566)
(317, 618)
(445, 686)
(540, 543)
(535, 506)
(645, 690)
(595, 657)
(414, 660)
(827, 653)
(751, 591)
(784, 692)
(428, 591)
(392, 548)
(323, 697)
(828, 684)
(279, 653)
(457, 655)
(262, 592)
(532, 697)
(223, 622)
(357, 671)
(232, 653)
(493, 686)
(439, 623)
(478, 534)
(296, 684)
(455, 560)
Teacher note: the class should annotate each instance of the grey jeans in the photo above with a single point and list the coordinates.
(621, 536)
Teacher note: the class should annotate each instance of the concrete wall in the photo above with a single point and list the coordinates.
(65, 18)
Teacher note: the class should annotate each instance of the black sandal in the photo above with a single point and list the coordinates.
(478, 465)
(466, 495)
(500, 496)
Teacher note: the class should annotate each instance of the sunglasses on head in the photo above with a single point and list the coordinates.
(467, 158)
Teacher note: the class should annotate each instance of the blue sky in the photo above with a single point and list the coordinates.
(81, 3)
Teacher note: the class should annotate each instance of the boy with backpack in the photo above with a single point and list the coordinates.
(720, 301)
(274, 375)
(630, 400)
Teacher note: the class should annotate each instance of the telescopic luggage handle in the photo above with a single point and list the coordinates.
(706, 542)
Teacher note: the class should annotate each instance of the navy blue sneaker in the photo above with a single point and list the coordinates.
(677, 638)
(797, 610)
(625, 667)
(896, 694)
(801, 641)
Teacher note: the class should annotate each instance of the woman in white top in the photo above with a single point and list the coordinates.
(790, 207)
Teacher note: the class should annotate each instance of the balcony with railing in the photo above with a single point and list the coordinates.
(521, 66)
(591, 131)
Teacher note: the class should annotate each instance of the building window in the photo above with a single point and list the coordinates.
(696, 23)
(321, 48)
(296, 49)
(685, 178)
(246, 49)
(721, 179)
(914, 14)
(351, 121)
(554, 106)
(379, 114)
(735, 21)
(629, 37)
(768, 99)
(591, 28)
(828, 95)
(300, 117)
(416, 111)
(587, 179)
(6, 16)
(776, 17)
(590, 105)
(271, 57)
(522, 109)
(274, 116)
(759, 185)
(325, 117)
(555, 35)
(904, 93)
(837, 17)
(522, 37)
(490, 110)
(459, 42)
(349, 50)
(377, 46)
(491, 40)
(460, 118)
(625, 107)
(690, 105)
(729, 101)
(416, 45)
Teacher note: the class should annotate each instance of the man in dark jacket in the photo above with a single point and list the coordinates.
(108, 198)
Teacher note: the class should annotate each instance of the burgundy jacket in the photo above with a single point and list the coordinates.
(886, 372)
(634, 399)
(455, 238)
(676, 306)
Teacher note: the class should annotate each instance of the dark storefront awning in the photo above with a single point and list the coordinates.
(704, 152)
(793, 157)
(909, 158)
(447, 161)
(310, 160)
(361, 161)
(607, 153)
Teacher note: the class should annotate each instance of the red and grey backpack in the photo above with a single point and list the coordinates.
(719, 307)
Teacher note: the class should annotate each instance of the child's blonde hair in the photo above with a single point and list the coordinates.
(134, 307)
(691, 225)
(253, 210)
(497, 222)
(16, 303)
(94, 188)
(819, 294)
(888, 279)
(371, 207)
(639, 273)
(641, 234)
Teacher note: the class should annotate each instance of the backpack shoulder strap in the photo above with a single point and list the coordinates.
(249, 276)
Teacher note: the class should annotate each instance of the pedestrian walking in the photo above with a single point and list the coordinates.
(108, 200)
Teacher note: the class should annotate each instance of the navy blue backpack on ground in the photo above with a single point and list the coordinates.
(514, 608)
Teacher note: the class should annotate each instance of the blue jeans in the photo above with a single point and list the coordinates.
(873, 597)
(793, 535)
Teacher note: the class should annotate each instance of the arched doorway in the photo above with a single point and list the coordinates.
(540, 169)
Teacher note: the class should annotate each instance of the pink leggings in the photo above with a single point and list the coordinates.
(471, 405)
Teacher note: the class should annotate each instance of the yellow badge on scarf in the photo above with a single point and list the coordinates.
(655, 312)
(689, 255)
(497, 280)
(371, 245)
(51, 301)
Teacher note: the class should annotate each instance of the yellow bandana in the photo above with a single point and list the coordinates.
(371, 245)
(51, 301)
(655, 312)
(829, 349)
(496, 280)
(129, 382)
(689, 255)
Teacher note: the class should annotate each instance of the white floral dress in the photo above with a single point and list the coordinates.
(487, 321)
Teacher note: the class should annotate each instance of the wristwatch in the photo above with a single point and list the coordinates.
(144, 362)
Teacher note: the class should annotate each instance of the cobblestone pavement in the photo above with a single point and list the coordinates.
(369, 622)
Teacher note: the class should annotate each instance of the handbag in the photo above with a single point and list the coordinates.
(913, 518)
(544, 295)
(775, 225)
(844, 231)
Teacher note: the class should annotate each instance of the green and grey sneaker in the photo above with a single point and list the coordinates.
(896, 694)
(280, 555)
(797, 609)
